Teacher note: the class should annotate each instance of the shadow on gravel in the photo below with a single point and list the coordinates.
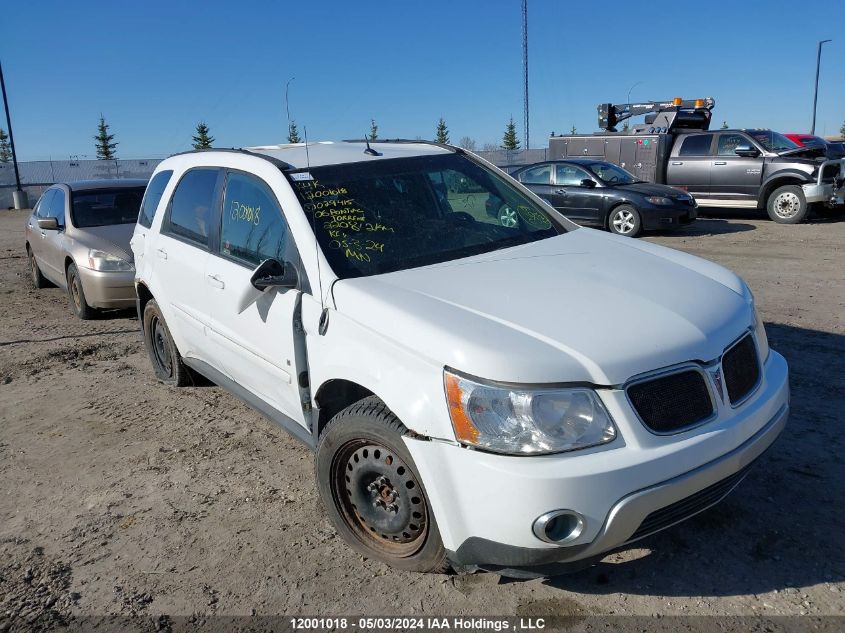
(706, 226)
(782, 528)
(816, 217)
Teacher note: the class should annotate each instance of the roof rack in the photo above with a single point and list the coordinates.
(451, 148)
(237, 150)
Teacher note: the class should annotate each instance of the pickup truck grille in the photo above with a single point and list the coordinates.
(690, 506)
(741, 369)
(672, 402)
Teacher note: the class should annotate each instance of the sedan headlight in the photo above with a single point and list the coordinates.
(659, 200)
(526, 421)
(106, 262)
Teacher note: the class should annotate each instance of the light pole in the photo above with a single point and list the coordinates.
(19, 195)
(287, 108)
(816, 94)
(628, 99)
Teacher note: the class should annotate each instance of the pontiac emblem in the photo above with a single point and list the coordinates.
(717, 380)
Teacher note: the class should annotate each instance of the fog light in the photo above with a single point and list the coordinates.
(559, 526)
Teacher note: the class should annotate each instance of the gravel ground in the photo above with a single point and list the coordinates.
(122, 496)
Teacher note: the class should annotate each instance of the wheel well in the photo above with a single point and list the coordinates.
(771, 186)
(334, 396)
(610, 211)
(68, 262)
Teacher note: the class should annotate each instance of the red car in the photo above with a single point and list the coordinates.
(807, 140)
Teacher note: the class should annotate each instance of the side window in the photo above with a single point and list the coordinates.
(57, 206)
(192, 206)
(540, 175)
(45, 203)
(696, 145)
(253, 225)
(729, 142)
(569, 175)
(152, 196)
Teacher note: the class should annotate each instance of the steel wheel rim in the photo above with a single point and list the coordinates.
(379, 498)
(787, 204)
(507, 217)
(623, 221)
(161, 349)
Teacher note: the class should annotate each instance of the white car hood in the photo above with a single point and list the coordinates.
(581, 307)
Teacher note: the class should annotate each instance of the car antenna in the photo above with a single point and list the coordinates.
(324, 314)
(370, 151)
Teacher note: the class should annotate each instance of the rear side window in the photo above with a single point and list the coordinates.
(192, 206)
(253, 226)
(541, 175)
(696, 145)
(152, 197)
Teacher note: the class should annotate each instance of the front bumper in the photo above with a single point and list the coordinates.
(108, 290)
(830, 193)
(655, 217)
(485, 504)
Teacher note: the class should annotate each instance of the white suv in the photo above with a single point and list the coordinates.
(520, 398)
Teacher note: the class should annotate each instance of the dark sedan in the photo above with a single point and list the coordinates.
(602, 194)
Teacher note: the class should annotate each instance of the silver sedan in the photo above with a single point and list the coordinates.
(78, 239)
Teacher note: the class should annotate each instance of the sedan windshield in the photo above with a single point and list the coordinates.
(379, 216)
(611, 174)
(772, 141)
(102, 207)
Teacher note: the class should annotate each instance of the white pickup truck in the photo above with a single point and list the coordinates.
(522, 398)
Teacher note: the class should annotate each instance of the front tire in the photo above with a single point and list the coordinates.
(787, 205)
(76, 295)
(372, 492)
(38, 280)
(625, 220)
(166, 360)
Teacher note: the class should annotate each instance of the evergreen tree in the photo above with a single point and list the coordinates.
(202, 140)
(510, 140)
(373, 130)
(293, 133)
(625, 127)
(573, 130)
(442, 135)
(842, 131)
(5, 148)
(105, 145)
(725, 125)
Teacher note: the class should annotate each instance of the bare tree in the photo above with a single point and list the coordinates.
(467, 143)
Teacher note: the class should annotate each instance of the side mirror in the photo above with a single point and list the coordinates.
(271, 273)
(589, 183)
(746, 150)
(48, 224)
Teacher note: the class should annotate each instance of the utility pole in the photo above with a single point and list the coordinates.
(19, 196)
(816, 94)
(525, 66)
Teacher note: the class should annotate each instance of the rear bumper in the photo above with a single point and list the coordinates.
(108, 290)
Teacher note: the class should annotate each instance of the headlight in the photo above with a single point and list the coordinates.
(659, 200)
(529, 421)
(106, 262)
(762, 339)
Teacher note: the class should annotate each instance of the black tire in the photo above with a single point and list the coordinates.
(165, 358)
(38, 280)
(76, 295)
(625, 220)
(787, 205)
(372, 492)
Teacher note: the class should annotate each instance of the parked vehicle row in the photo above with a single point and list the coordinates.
(739, 168)
(471, 388)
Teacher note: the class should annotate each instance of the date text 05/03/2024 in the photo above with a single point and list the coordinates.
(418, 623)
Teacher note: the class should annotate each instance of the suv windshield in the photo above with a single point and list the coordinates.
(101, 207)
(379, 216)
(772, 141)
(611, 174)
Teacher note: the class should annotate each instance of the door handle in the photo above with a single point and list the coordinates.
(560, 192)
(677, 162)
(215, 281)
(721, 162)
(161, 253)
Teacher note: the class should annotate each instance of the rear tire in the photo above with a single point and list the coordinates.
(165, 358)
(787, 205)
(76, 295)
(38, 280)
(625, 220)
(372, 492)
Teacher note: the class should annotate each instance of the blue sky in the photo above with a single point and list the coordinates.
(154, 69)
